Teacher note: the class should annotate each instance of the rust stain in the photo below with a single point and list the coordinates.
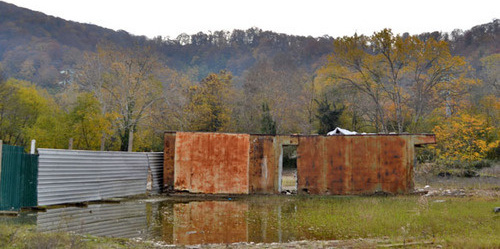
(338, 172)
(263, 165)
(357, 164)
(210, 222)
(212, 162)
(309, 165)
(424, 139)
(169, 160)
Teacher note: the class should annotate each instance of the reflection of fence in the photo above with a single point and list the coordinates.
(125, 220)
(67, 176)
(18, 178)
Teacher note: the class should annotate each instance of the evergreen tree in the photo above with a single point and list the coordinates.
(328, 117)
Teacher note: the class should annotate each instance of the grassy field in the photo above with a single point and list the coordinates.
(26, 236)
(451, 221)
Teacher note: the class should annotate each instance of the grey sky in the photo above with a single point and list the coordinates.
(311, 17)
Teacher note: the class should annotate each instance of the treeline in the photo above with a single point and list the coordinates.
(125, 90)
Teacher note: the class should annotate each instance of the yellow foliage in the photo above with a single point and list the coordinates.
(465, 138)
(209, 103)
(398, 80)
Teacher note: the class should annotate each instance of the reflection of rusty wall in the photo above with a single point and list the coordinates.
(211, 162)
(210, 222)
(357, 164)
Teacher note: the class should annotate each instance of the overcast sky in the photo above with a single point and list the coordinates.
(309, 17)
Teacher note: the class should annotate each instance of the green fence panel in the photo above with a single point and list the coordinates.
(18, 179)
(10, 179)
(29, 180)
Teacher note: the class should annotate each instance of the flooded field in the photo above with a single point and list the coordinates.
(274, 219)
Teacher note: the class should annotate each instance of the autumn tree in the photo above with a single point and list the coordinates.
(27, 112)
(124, 82)
(209, 103)
(87, 122)
(465, 138)
(403, 78)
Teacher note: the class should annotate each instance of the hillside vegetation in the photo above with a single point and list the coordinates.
(105, 88)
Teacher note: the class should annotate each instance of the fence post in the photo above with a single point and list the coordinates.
(33, 142)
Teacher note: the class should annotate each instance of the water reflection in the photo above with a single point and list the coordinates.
(210, 222)
(125, 220)
(174, 222)
(201, 222)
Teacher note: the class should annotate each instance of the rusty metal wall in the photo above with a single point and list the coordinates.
(364, 164)
(169, 161)
(211, 163)
(339, 165)
(66, 176)
(263, 165)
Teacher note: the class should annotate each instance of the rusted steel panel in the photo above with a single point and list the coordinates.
(212, 162)
(263, 165)
(338, 172)
(424, 139)
(210, 222)
(183, 161)
(168, 161)
(287, 140)
(355, 164)
(365, 163)
(310, 173)
(393, 165)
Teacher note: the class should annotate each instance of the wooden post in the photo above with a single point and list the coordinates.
(70, 145)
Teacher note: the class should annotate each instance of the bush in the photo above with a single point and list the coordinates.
(461, 169)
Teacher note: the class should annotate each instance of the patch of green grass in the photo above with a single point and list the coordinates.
(26, 236)
(462, 222)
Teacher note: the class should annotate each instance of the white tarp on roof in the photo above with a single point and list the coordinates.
(340, 131)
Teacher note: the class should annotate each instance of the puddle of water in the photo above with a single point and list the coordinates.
(255, 219)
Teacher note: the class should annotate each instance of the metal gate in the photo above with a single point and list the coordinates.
(18, 178)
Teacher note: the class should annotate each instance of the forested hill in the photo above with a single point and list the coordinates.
(37, 47)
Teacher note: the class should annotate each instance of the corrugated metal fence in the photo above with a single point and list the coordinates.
(18, 178)
(66, 176)
(155, 160)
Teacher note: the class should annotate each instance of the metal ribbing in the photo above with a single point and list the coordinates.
(156, 165)
(66, 176)
(125, 220)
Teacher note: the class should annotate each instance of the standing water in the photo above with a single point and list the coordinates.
(185, 221)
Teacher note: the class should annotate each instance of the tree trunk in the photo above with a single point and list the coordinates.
(130, 140)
